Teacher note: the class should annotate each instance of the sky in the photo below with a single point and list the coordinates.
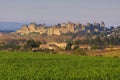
(59, 11)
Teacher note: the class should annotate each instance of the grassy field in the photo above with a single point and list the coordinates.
(39, 66)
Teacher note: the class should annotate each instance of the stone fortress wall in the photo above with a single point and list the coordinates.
(59, 29)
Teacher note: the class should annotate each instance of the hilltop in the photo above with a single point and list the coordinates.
(71, 38)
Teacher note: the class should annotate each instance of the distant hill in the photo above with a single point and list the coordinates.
(6, 31)
(10, 26)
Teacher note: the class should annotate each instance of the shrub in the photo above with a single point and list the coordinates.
(68, 47)
(79, 52)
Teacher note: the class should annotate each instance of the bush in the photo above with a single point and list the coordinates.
(32, 44)
(79, 52)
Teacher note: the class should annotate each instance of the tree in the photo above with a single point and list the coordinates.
(31, 43)
(68, 47)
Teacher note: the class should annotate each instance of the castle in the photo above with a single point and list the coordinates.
(60, 29)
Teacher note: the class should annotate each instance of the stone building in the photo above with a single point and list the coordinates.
(61, 45)
(53, 46)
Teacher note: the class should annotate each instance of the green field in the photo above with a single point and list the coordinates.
(39, 66)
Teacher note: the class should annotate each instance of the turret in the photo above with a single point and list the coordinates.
(102, 24)
(32, 27)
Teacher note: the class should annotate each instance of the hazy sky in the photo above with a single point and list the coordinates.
(55, 11)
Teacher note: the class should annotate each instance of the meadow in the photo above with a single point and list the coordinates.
(42, 66)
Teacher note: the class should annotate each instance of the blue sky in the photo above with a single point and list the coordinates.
(58, 11)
